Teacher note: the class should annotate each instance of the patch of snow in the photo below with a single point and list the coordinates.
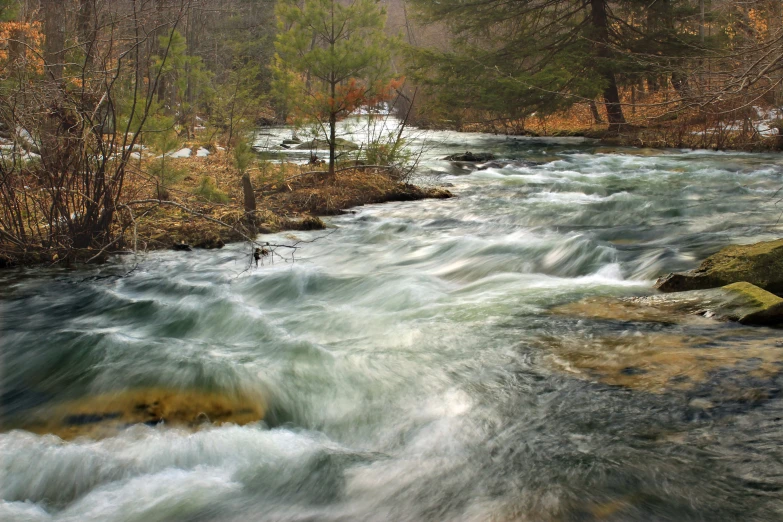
(182, 153)
(25, 136)
(8, 153)
(202, 153)
(221, 149)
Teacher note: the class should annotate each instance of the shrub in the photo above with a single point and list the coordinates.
(209, 191)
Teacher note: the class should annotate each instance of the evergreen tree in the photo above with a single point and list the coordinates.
(331, 58)
(539, 56)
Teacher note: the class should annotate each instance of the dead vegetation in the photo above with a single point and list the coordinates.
(655, 119)
(289, 197)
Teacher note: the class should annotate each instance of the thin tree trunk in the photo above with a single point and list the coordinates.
(332, 142)
(87, 29)
(594, 111)
(611, 94)
(54, 32)
(249, 195)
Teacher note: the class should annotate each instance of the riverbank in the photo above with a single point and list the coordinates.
(196, 200)
(289, 197)
(652, 121)
(664, 135)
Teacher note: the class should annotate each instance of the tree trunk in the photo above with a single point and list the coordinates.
(594, 111)
(332, 143)
(54, 33)
(614, 111)
(87, 29)
(250, 195)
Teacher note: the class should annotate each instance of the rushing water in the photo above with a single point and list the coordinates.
(407, 365)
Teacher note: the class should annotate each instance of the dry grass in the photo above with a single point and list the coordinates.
(653, 120)
(288, 198)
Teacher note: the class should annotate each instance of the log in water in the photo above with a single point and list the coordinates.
(422, 362)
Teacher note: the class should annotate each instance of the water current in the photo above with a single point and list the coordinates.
(408, 365)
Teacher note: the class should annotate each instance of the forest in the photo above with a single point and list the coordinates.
(90, 87)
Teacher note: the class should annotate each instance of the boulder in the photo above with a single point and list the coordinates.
(753, 305)
(469, 157)
(760, 264)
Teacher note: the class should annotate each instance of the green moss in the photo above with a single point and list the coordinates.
(760, 264)
(755, 294)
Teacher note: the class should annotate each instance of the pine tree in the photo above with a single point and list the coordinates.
(539, 56)
(331, 57)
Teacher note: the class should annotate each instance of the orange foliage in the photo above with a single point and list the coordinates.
(352, 95)
(30, 35)
(759, 23)
(639, 108)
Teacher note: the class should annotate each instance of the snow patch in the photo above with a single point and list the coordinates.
(182, 153)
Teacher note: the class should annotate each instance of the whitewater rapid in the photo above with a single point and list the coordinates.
(407, 363)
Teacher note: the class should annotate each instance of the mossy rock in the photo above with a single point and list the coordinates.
(757, 306)
(760, 264)
(740, 302)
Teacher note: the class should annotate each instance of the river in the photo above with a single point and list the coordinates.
(409, 364)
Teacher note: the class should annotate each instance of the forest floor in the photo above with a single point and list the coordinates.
(205, 203)
(654, 123)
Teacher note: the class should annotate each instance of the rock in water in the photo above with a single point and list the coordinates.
(757, 305)
(741, 302)
(760, 264)
(469, 157)
(99, 416)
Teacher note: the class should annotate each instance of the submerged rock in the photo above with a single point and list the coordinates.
(661, 362)
(760, 264)
(104, 415)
